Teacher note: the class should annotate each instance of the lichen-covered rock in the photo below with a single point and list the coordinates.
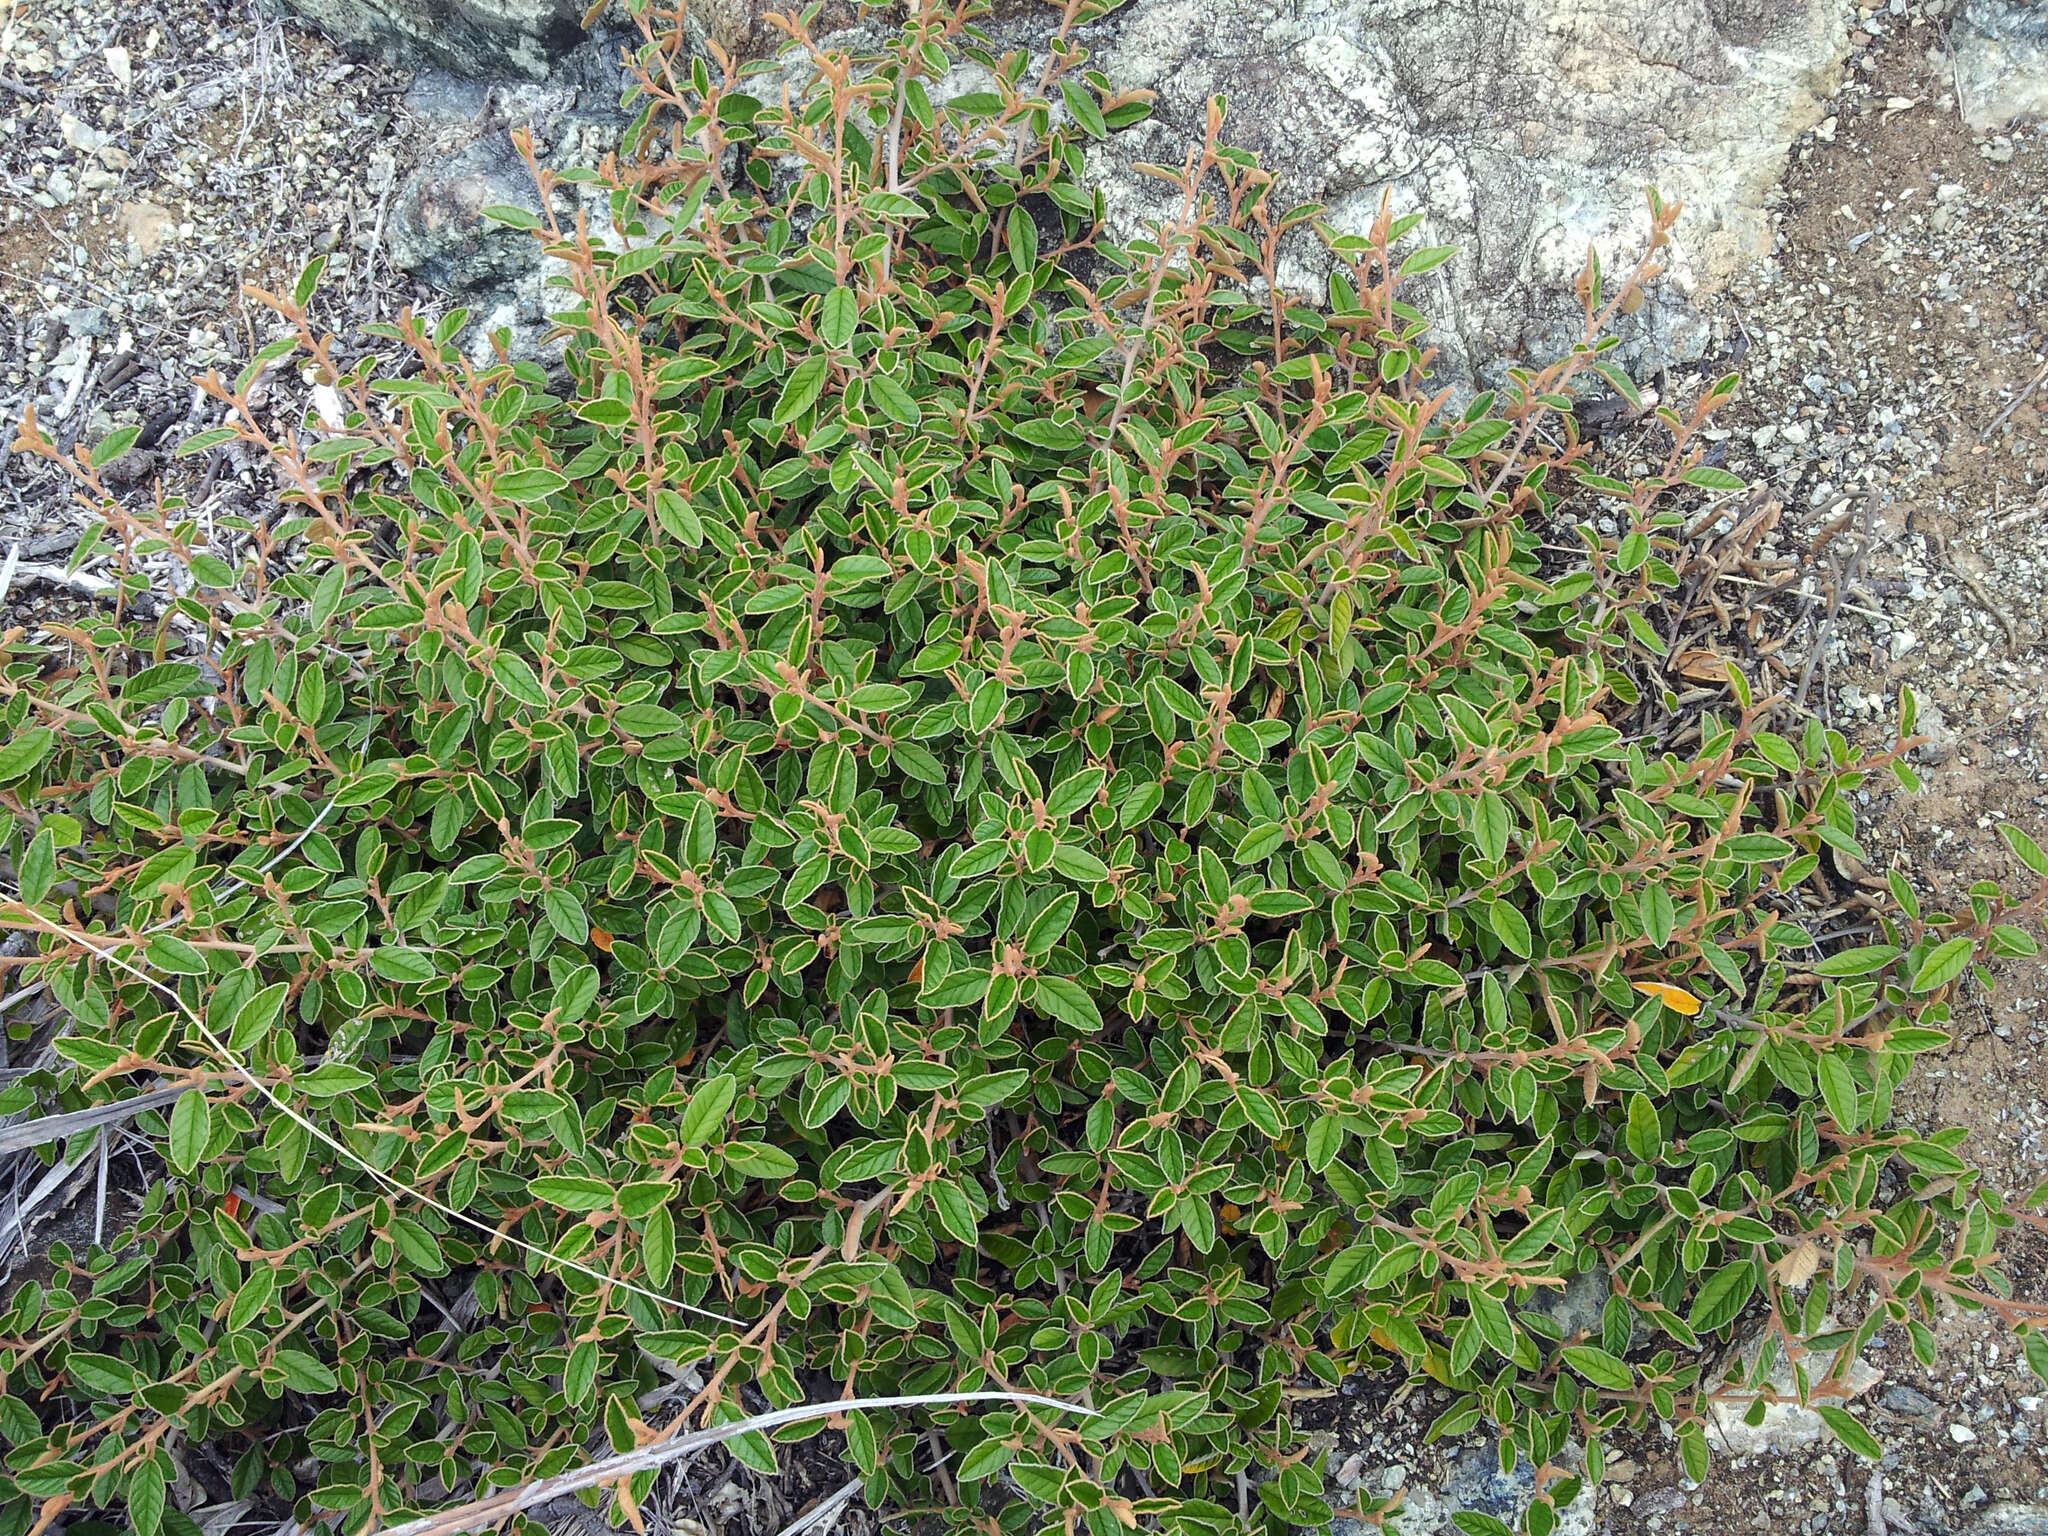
(1785, 1425)
(1476, 1484)
(472, 37)
(2012, 1520)
(1525, 129)
(2001, 61)
(438, 231)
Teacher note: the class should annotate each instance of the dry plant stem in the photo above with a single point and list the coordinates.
(2014, 404)
(616, 1469)
(1837, 587)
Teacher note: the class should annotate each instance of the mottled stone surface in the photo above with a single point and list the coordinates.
(438, 230)
(476, 37)
(2002, 61)
(1525, 130)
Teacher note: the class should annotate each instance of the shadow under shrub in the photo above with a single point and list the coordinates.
(929, 824)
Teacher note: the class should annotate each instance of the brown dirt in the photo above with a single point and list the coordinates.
(1892, 355)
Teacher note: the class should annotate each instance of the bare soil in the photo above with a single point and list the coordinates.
(1895, 346)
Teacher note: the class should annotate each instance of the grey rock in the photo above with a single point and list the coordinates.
(1940, 744)
(2011, 1520)
(441, 99)
(471, 37)
(2001, 61)
(1784, 1425)
(438, 231)
(1578, 1309)
(1477, 1484)
(1901, 1399)
(1524, 129)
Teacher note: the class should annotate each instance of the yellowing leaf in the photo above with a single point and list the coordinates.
(1677, 999)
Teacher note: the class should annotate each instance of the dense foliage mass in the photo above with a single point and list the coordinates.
(960, 804)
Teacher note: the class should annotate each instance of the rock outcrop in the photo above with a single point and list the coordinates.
(473, 37)
(1526, 131)
(2001, 61)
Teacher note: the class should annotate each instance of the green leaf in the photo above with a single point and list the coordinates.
(1065, 1000)
(1427, 259)
(104, 1375)
(258, 1016)
(705, 1116)
(644, 720)
(530, 487)
(1849, 1429)
(1599, 1367)
(1645, 1129)
(1721, 1299)
(146, 1498)
(897, 403)
(759, 1160)
(1858, 962)
(1756, 848)
(252, 1298)
(38, 870)
(838, 315)
(1929, 1157)
(572, 1193)
(305, 1374)
(566, 916)
(166, 680)
(191, 1126)
(1512, 928)
(408, 965)
(1084, 108)
(332, 1079)
(1050, 926)
(955, 1211)
(168, 952)
(800, 392)
(658, 1246)
(28, 748)
(2024, 848)
(512, 674)
(1059, 437)
(1838, 1088)
(211, 570)
(1492, 825)
(1943, 964)
(985, 1460)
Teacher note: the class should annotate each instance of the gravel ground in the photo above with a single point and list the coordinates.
(154, 160)
(1896, 346)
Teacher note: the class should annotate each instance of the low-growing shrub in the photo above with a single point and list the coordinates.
(962, 805)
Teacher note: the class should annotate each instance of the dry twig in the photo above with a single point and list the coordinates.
(2014, 403)
(616, 1469)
